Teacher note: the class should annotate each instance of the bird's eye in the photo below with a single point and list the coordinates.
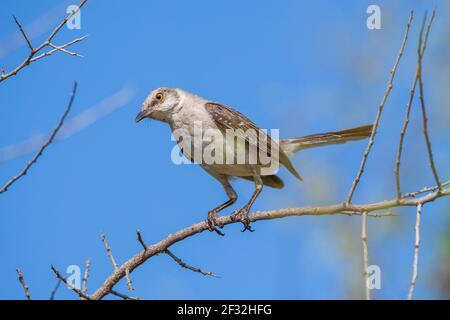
(160, 97)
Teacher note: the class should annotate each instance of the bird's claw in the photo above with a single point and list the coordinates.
(243, 216)
(212, 223)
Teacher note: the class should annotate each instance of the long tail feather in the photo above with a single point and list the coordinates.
(291, 146)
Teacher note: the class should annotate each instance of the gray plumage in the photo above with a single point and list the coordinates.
(184, 111)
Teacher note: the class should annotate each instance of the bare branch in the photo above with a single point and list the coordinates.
(64, 21)
(109, 252)
(128, 278)
(23, 283)
(70, 286)
(65, 50)
(24, 34)
(379, 112)
(423, 107)
(86, 276)
(425, 190)
(186, 266)
(416, 252)
(47, 43)
(141, 241)
(365, 253)
(45, 145)
(50, 52)
(114, 263)
(55, 289)
(421, 50)
(164, 244)
(402, 137)
(123, 296)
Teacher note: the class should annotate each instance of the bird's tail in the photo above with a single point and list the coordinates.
(292, 146)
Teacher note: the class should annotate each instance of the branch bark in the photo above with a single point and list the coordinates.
(24, 284)
(87, 268)
(343, 208)
(416, 252)
(365, 253)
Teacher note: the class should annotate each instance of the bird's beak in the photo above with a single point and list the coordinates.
(142, 115)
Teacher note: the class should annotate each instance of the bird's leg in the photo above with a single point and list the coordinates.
(213, 214)
(243, 213)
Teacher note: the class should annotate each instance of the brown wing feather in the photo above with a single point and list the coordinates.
(228, 118)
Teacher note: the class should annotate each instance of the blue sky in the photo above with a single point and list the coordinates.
(303, 67)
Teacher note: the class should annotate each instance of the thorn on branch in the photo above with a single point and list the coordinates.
(23, 283)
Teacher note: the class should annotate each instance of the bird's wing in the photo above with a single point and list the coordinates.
(227, 118)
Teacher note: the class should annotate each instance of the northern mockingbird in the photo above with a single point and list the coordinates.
(191, 116)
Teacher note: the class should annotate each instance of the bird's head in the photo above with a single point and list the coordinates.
(160, 104)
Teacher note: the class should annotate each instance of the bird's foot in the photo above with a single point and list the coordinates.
(212, 223)
(243, 216)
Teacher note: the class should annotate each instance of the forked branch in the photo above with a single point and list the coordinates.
(46, 44)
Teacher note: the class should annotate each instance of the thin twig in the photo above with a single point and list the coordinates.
(141, 241)
(159, 247)
(64, 21)
(186, 266)
(50, 52)
(402, 137)
(45, 44)
(379, 112)
(23, 33)
(425, 190)
(86, 275)
(123, 296)
(421, 50)
(23, 283)
(129, 282)
(55, 289)
(70, 286)
(416, 252)
(45, 145)
(365, 253)
(65, 50)
(424, 112)
(114, 263)
(109, 252)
